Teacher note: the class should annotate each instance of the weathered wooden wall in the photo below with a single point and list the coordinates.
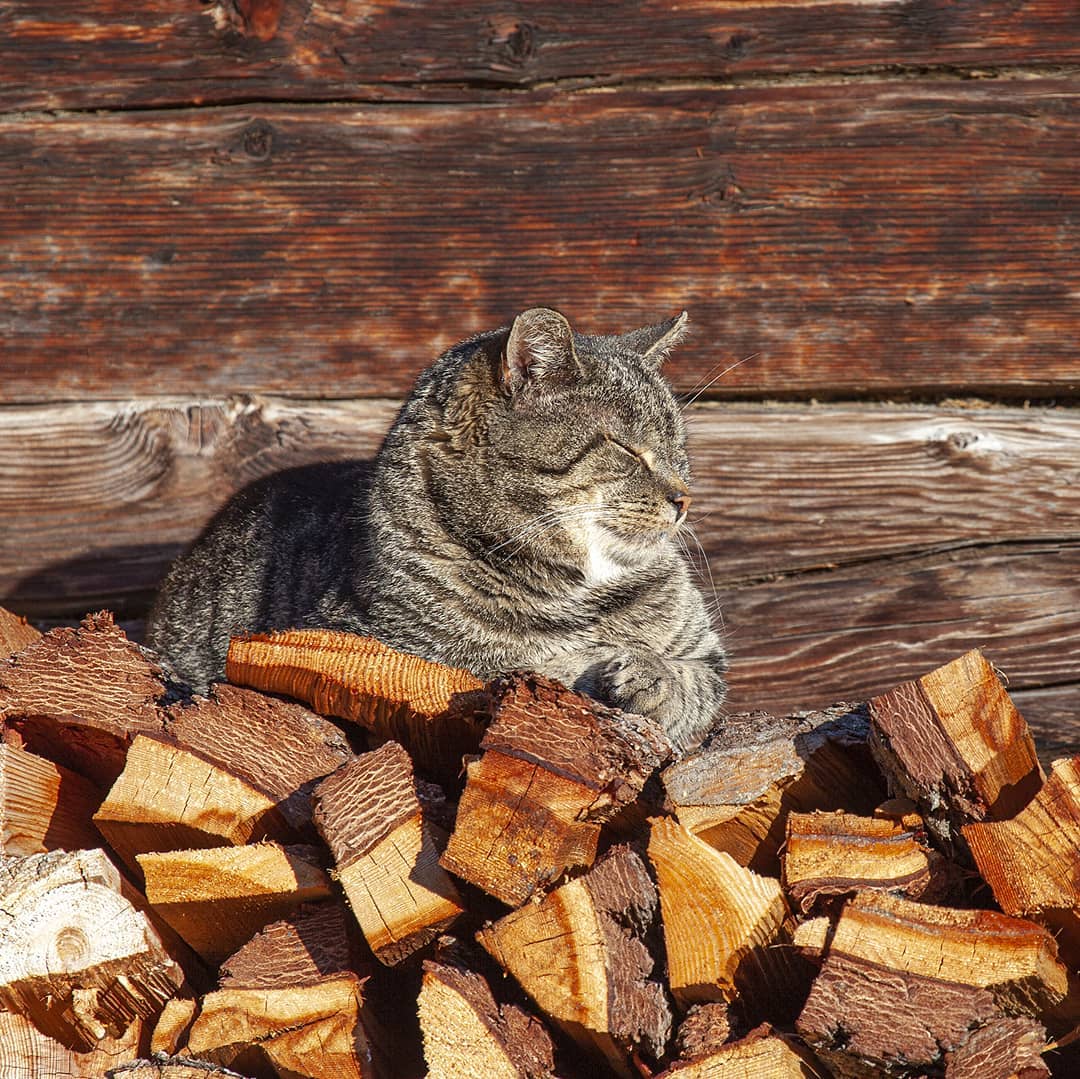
(232, 232)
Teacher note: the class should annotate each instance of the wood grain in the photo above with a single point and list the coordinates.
(79, 54)
(333, 250)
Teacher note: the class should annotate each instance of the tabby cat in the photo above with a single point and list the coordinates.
(522, 513)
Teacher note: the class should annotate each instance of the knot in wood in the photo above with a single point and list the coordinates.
(258, 140)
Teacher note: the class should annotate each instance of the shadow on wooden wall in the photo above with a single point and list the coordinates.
(233, 233)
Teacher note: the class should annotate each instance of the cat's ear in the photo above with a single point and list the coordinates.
(654, 343)
(539, 351)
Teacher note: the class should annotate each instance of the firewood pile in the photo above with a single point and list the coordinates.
(350, 862)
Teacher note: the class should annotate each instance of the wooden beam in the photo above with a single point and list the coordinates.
(326, 250)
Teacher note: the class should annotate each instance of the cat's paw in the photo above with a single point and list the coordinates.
(635, 681)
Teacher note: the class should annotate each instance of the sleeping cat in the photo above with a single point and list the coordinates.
(522, 513)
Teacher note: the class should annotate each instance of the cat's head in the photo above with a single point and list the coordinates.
(575, 444)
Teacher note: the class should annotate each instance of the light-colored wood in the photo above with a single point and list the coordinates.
(726, 929)
(369, 814)
(171, 1030)
(44, 806)
(579, 954)
(427, 707)
(26, 1053)
(75, 956)
(467, 1035)
(833, 854)
(170, 798)
(312, 1030)
(218, 898)
(1030, 861)
(556, 765)
(762, 1054)
(15, 632)
(954, 742)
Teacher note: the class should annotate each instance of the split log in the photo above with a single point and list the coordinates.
(311, 1030)
(726, 929)
(170, 798)
(904, 982)
(26, 1053)
(762, 1053)
(1032, 861)
(736, 790)
(387, 860)
(15, 633)
(44, 806)
(580, 955)
(555, 766)
(79, 696)
(466, 1033)
(218, 898)
(75, 957)
(278, 747)
(171, 1030)
(427, 707)
(954, 742)
(179, 1068)
(834, 854)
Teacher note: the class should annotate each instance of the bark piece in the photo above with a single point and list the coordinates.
(15, 633)
(217, 898)
(736, 791)
(1032, 861)
(954, 742)
(580, 954)
(278, 747)
(75, 956)
(387, 860)
(762, 1053)
(44, 806)
(903, 982)
(467, 1034)
(312, 943)
(310, 1030)
(833, 854)
(178, 1068)
(427, 707)
(1004, 1048)
(79, 696)
(555, 766)
(705, 1028)
(26, 1053)
(172, 798)
(726, 928)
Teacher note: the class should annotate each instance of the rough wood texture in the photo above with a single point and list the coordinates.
(1004, 1048)
(555, 766)
(312, 1030)
(387, 861)
(762, 1053)
(217, 899)
(170, 798)
(428, 707)
(26, 1053)
(580, 955)
(903, 983)
(833, 854)
(43, 806)
(278, 747)
(79, 696)
(953, 741)
(725, 927)
(822, 230)
(468, 1035)
(221, 52)
(180, 1068)
(75, 957)
(736, 791)
(15, 632)
(1031, 860)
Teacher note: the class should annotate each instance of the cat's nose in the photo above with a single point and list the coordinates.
(681, 501)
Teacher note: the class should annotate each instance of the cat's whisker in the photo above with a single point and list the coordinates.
(716, 613)
(545, 522)
(716, 378)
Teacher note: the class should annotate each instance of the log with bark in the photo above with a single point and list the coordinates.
(763, 880)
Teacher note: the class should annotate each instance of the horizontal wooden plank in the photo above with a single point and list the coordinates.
(850, 634)
(97, 497)
(79, 54)
(874, 238)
